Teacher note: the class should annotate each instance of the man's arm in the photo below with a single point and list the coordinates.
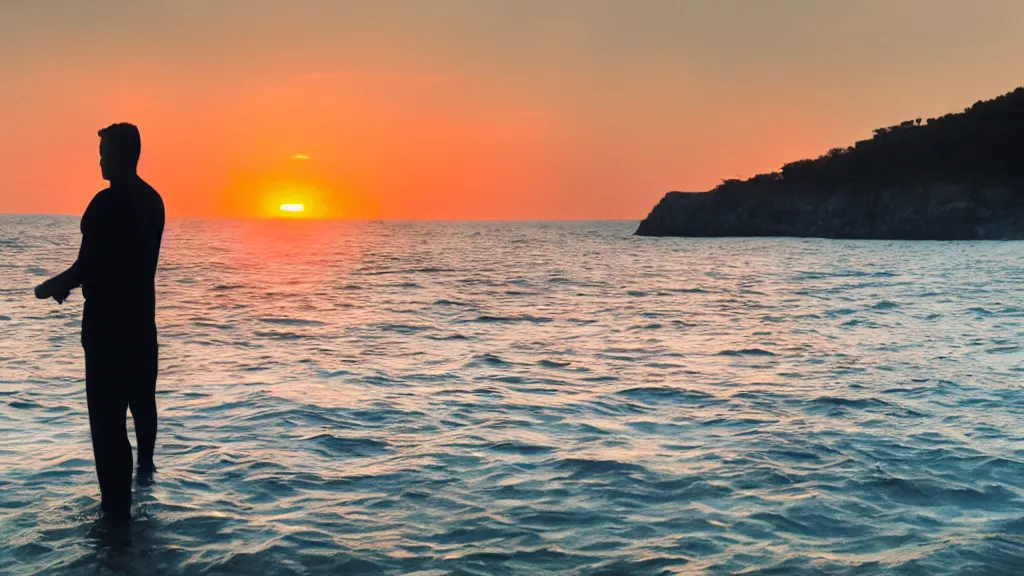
(60, 286)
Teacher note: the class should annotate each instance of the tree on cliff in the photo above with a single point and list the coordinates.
(984, 142)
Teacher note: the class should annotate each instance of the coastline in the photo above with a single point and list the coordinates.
(934, 211)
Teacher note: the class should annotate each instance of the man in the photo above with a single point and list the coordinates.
(116, 268)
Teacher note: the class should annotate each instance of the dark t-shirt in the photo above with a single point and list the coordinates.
(121, 233)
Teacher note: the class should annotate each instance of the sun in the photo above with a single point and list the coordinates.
(295, 201)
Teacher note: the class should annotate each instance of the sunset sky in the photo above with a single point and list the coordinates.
(467, 109)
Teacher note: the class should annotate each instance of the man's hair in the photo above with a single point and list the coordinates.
(123, 138)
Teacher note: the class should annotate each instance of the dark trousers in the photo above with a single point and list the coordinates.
(120, 377)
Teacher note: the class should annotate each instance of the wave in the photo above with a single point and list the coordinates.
(345, 446)
(746, 352)
(856, 403)
(660, 393)
(491, 359)
(290, 321)
(275, 335)
(511, 319)
(511, 446)
(584, 467)
(445, 337)
(402, 328)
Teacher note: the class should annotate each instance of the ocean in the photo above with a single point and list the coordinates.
(531, 398)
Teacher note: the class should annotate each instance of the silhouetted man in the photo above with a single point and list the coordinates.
(116, 268)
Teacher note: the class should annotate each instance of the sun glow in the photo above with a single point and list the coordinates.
(290, 200)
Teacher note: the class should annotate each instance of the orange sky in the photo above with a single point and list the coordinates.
(460, 109)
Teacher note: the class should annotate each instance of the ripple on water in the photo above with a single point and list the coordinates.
(661, 394)
(341, 446)
(291, 321)
(746, 352)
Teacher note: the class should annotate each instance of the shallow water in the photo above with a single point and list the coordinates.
(494, 398)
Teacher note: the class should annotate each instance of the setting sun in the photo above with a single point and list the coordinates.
(293, 208)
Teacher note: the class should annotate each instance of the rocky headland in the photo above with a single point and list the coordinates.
(956, 177)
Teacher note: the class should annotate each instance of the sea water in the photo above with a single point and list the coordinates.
(531, 398)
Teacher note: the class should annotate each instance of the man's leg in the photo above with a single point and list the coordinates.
(108, 405)
(142, 401)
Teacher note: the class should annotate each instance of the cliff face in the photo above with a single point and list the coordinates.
(956, 177)
(932, 212)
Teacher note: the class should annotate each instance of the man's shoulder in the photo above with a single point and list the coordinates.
(98, 200)
(144, 187)
(96, 210)
(153, 191)
(154, 200)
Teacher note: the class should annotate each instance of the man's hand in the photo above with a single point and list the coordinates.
(49, 289)
(62, 296)
(44, 290)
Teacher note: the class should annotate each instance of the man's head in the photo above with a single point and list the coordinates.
(120, 146)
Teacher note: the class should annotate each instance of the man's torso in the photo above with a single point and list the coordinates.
(122, 230)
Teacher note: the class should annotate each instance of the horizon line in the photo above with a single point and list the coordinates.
(287, 219)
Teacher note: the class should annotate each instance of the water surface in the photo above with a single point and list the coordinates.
(532, 398)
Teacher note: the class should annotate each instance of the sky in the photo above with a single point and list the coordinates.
(470, 109)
